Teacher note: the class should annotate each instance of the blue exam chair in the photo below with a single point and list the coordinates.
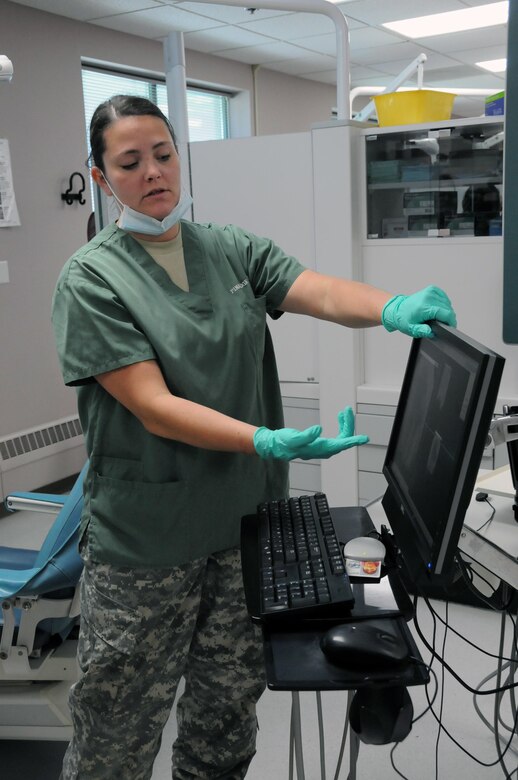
(39, 597)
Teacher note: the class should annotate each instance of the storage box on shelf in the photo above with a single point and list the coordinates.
(440, 179)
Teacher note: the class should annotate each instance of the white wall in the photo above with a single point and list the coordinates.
(41, 115)
(469, 270)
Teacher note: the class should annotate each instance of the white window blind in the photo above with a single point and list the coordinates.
(207, 114)
(207, 111)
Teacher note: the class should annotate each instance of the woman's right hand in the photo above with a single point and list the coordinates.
(290, 443)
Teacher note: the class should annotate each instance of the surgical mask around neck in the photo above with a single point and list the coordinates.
(136, 222)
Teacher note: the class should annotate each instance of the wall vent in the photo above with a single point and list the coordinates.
(38, 442)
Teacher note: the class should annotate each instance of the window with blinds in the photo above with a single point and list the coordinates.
(207, 110)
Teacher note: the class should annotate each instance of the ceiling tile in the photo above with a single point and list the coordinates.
(227, 13)
(324, 76)
(83, 10)
(222, 38)
(455, 75)
(261, 55)
(370, 37)
(397, 51)
(480, 54)
(308, 63)
(292, 26)
(324, 44)
(156, 22)
(366, 81)
(360, 72)
(433, 61)
(469, 39)
(464, 76)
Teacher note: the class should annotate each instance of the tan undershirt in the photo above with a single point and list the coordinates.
(169, 254)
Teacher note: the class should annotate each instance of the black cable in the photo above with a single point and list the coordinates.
(510, 661)
(479, 712)
(466, 752)
(467, 641)
(446, 666)
(434, 637)
(433, 697)
(486, 522)
(512, 695)
(441, 709)
(463, 566)
(394, 767)
(426, 709)
(472, 574)
(430, 702)
(499, 690)
(342, 744)
(453, 673)
(321, 735)
(499, 697)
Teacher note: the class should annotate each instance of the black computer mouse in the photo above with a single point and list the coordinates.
(367, 645)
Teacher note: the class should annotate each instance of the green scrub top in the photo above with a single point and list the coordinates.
(152, 501)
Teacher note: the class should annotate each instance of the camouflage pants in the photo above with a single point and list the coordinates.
(141, 631)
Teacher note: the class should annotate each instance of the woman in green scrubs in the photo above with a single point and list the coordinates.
(161, 325)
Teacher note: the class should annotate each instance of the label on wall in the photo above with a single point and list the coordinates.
(8, 211)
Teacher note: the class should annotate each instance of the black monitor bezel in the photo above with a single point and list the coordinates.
(427, 561)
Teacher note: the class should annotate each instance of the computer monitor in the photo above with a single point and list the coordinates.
(447, 399)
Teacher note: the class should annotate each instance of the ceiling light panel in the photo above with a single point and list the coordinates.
(494, 66)
(488, 15)
(376, 12)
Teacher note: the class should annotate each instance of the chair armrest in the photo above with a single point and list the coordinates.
(35, 502)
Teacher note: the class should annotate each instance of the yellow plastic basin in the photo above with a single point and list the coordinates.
(413, 107)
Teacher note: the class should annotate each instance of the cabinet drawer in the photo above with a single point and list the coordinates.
(305, 476)
(300, 417)
(376, 427)
(371, 457)
(371, 485)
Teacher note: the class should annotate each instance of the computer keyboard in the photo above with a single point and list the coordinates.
(300, 567)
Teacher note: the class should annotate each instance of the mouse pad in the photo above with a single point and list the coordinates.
(295, 661)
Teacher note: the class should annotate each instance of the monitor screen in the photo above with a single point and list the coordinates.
(447, 399)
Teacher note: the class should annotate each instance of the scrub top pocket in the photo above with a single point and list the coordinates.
(142, 516)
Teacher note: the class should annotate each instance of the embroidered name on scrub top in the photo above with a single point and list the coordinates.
(169, 254)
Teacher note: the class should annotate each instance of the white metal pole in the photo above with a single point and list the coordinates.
(174, 55)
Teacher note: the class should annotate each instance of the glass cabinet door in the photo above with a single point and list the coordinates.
(435, 182)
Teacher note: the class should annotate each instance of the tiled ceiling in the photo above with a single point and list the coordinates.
(303, 44)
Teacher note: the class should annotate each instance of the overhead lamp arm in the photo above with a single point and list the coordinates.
(342, 38)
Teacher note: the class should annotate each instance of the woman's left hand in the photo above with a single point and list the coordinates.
(409, 313)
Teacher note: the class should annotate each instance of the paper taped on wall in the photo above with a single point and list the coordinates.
(8, 211)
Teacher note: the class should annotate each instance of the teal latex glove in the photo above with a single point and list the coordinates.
(289, 443)
(409, 313)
